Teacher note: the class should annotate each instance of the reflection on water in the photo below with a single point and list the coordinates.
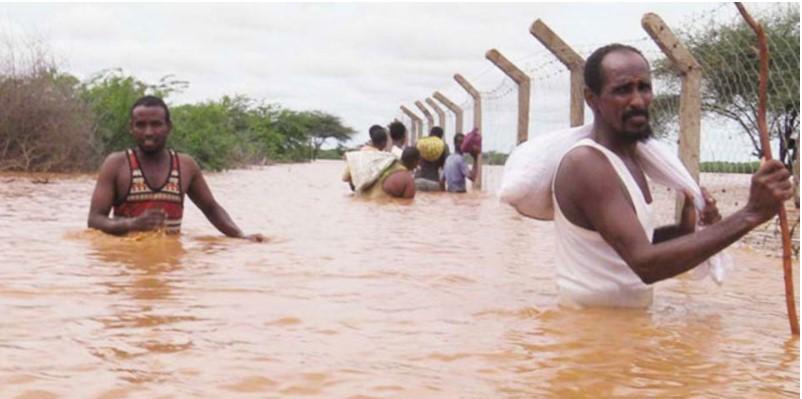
(446, 296)
(142, 271)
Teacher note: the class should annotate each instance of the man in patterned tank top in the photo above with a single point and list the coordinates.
(145, 185)
(601, 193)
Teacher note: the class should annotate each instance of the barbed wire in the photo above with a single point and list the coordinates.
(583, 49)
(548, 74)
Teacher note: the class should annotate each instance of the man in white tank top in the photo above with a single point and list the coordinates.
(608, 251)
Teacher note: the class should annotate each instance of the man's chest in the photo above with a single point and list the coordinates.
(640, 179)
(150, 181)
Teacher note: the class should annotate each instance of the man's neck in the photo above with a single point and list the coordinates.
(155, 156)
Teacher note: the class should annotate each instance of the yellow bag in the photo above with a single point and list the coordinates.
(431, 148)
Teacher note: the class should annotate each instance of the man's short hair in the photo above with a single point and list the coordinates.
(151, 101)
(593, 72)
(410, 157)
(397, 130)
(378, 136)
(436, 131)
(457, 138)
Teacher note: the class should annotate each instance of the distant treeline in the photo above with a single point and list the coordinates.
(332, 153)
(729, 167)
(494, 158)
(52, 121)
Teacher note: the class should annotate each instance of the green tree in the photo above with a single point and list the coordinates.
(206, 132)
(231, 132)
(729, 60)
(323, 126)
(294, 129)
(261, 141)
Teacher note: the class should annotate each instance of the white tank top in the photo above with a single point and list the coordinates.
(589, 271)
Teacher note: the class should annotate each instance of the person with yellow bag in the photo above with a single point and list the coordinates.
(433, 153)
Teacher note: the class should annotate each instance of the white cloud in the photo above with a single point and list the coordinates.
(360, 61)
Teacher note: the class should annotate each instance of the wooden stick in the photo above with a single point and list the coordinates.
(764, 142)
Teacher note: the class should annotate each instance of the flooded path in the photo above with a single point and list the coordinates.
(447, 296)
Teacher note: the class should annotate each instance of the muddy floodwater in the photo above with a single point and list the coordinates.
(446, 296)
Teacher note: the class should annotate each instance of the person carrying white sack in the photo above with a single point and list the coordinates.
(595, 188)
(379, 174)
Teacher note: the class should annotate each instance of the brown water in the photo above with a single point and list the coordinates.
(448, 296)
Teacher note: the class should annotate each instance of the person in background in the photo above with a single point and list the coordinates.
(378, 142)
(434, 152)
(396, 181)
(456, 170)
(398, 137)
(378, 139)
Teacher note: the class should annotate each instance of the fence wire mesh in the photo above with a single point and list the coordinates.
(725, 48)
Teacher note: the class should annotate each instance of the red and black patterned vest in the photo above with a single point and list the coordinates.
(142, 195)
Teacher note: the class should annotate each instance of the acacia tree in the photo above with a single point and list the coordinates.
(323, 126)
(729, 60)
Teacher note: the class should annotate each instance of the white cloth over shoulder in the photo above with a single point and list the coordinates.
(367, 166)
(530, 169)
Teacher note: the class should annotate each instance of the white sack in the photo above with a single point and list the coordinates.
(367, 166)
(530, 168)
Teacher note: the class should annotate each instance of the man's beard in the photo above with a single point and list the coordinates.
(150, 150)
(642, 134)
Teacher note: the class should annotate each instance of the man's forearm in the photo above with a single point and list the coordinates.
(115, 226)
(223, 222)
(673, 257)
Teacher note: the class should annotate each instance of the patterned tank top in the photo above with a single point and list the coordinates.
(142, 195)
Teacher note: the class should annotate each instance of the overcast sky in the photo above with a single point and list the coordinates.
(358, 61)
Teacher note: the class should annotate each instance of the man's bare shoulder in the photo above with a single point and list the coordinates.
(583, 161)
(585, 170)
(187, 162)
(114, 160)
